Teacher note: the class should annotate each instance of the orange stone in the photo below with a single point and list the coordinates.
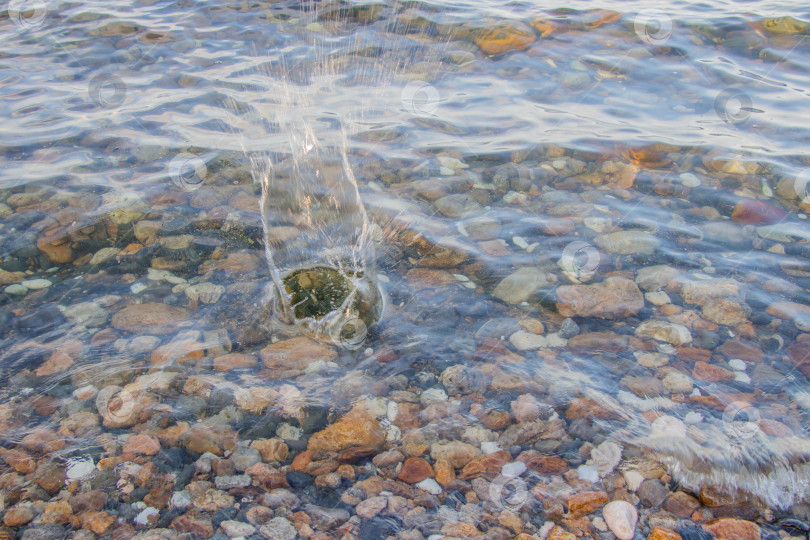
(505, 38)
(586, 502)
(98, 522)
(415, 470)
(356, 428)
(444, 472)
(489, 463)
(711, 373)
(733, 529)
(227, 362)
(662, 534)
(558, 533)
(295, 353)
(461, 530)
(182, 351)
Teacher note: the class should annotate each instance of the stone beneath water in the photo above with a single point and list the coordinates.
(295, 353)
(628, 242)
(149, 318)
(356, 429)
(614, 298)
(672, 333)
(522, 284)
(621, 517)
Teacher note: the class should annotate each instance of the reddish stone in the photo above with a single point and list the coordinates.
(89, 501)
(98, 522)
(356, 428)
(198, 525)
(18, 460)
(693, 354)
(415, 470)
(546, 464)
(489, 463)
(495, 419)
(662, 534)
(267, 477)
(799, 354)
(711, 373)
(681, 504)
(355, 455)
(586, 502)
(588, 408)
(141, 444)
(302, 460)
(755, 212)
(733, 529)
(592, 342)
(742, 350)
(494, 350)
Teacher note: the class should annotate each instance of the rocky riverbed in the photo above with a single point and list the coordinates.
(598, 318)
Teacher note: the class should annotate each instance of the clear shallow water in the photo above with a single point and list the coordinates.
(604, 141)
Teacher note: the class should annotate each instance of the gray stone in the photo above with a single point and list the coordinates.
(279, 528)
(244, 457)
(652, 493)
(230, 482)
(628, 242)
(522, 284)
(326, 519)
(460, 379)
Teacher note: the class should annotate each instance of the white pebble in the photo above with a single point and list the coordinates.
(34, 284)
(137, 287)
(742, 377)
(514, 469)
(16, 290)
(489, 447)
(588, 473)
(693, 417)
(181, 500)
(737, 364)
(433, 395)
(690, 180)
(520, 242)
(79, 468)
(446, 171)
(621, 517)
(430, 485)
(143, 518)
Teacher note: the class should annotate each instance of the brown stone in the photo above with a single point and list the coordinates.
(461, 530)
(592, 342)
(17, 516)
(742, 350)
(266, 477)
(733, 529)
(57, 512)
(414, 470)
(558, 533)
(657, 533)
(215, 439)
(495, 419)
(614, 298)
(586, 502)
(141, 444)
(356, 428)
(711, 373)
(486, 464)
(227, 362)
(89, 501)
(302, 461)
(791, 311)
(56, 246)
(50, 476)
(240, 262)
(271, 449)
(43, 441)
(296, 353)
(197, 525)
(149, 318)
(505, 38)
(545, 464)
(444, 472)
(756, 212)
(427, 278)
(98, 522)
(181, 351)
(57, 362)
(589, 408)
(681, 504)
(799, 354)
(694, 354)
(7, 278)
